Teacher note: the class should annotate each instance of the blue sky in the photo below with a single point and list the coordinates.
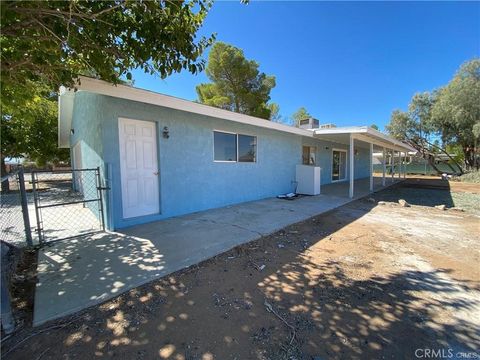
(350, 63)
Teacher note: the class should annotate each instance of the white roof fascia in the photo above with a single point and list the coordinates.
(65, 113)
(376, 136)
(150, 97)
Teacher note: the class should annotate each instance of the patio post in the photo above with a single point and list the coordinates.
(392, 164)
(371, 167)
(399, 164)
(351, 158)
(384, 167)
(405, 166)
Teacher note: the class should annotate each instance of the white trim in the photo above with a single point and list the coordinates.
(331, 174)
(366, 134)
(150, 97)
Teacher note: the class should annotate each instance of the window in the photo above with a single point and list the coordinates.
(308, 155)
(234, 147)
(247, 148)
(225, 146)
(339, 165)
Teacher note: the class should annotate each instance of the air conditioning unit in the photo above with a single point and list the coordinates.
(327, 126)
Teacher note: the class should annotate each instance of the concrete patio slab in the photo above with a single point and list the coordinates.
(77, 273)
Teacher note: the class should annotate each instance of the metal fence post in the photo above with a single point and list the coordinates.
(24, 203)
(100, 199)
(37, 214)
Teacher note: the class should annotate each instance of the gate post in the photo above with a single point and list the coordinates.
(100, 197)
(37, 214)
(23, 201)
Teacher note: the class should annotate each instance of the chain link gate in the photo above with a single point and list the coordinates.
(68, 203)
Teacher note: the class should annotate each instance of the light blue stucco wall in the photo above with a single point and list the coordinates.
(324, 159)
(189, 178)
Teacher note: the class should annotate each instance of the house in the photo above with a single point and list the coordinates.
(162, 156)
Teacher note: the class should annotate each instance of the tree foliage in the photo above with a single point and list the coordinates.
(274, 111)
(31, 129)
(55, 41)
(450, 113)
(236, 83)
(46, 44)
(300, 114)
(456, 111)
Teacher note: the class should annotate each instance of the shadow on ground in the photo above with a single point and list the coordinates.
(418, 191)
(219, 309)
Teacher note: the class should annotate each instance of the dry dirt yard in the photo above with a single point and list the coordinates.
(364, 281)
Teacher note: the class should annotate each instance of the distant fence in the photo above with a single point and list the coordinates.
(416, 168)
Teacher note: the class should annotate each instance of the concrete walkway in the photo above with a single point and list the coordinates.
(77, 273)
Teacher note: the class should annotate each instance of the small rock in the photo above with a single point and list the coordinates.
(441, 207)
(457, 209)
(260, 268)
(403, 203)
(372, 200)
(293, 231)
(382, 203)
(281, 246)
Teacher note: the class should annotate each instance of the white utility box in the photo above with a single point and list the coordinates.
(308, 180)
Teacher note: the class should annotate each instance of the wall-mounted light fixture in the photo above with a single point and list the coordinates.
(356, 151)
(326, 148)
(72, 131)
(165, 132)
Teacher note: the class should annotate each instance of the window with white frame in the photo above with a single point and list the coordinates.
(229, 147)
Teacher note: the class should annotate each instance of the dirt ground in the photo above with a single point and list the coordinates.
(365, 281)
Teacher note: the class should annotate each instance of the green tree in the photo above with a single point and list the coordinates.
(374, 126)
(29, 129)
(415, 128)
(236, 83)
(274, 111)
(300, 114)
(45, 44)
(55, 41)
(457, 110)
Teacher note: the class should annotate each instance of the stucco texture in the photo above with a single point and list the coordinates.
(189, 179)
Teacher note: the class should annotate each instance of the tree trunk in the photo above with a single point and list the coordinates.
(425, 154)
(469, 159)
(3, 172)
(445, 152)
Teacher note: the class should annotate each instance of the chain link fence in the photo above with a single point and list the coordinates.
(16, 208)
(67, 203)
(44, 206)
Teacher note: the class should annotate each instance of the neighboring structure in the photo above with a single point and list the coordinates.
(162, 156)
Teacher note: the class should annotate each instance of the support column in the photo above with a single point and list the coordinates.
(384, 167)
(399, 165)
(405, 166)
(351, 158)
(371, 167)
(392, 164)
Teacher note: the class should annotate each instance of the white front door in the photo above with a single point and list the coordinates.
(138, 167)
